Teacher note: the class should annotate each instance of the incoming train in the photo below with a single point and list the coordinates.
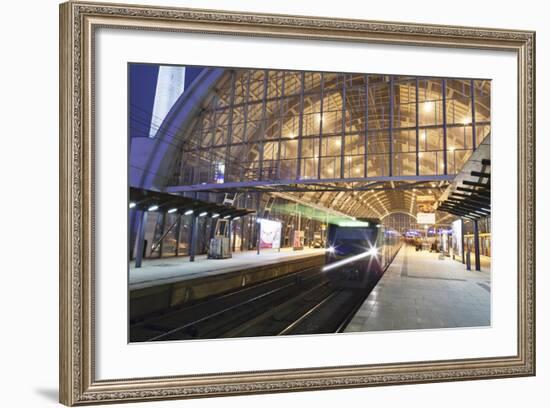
(360, 251)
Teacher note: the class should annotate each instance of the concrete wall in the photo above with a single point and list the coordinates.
(154, 299)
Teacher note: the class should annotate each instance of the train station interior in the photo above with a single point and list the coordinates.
(273, 202)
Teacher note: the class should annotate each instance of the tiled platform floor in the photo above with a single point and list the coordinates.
(420, 291)
(166, 270)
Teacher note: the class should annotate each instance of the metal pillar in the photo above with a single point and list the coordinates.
(326, 230)
(229, 226)
(213, 158)
(241, 245)
(258, 237)
(417, 134)
(343, 135)
(193, 238)
(280, 119)
(141, 239)
(476, 245)
(280, 239)
(390, 126)
(256, 228)
(229, 128)
(162, 228)
(462, 240)
(444, 98)
(366, 165)
(473, 112)
(213, 226)
(178, 230)
(320, 147)
(263, 125)
(300, 125)
(134, 225)
(250, 235)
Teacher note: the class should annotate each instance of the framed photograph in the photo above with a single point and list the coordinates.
(255, 203)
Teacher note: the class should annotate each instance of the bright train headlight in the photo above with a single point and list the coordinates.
(373, 251)
(331, 249)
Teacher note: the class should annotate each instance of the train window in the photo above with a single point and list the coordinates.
(354, 240)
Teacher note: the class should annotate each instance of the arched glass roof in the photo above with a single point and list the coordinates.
(363, 144)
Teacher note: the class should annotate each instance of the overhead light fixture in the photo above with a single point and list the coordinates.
(172, 210)
(226, 217)
(352, 223)
(188, 212)
(236, 218)
(202, 214)
(132, 205)
(153, 208)
(215, 215)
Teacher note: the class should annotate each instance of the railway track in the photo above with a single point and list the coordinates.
(299, 303)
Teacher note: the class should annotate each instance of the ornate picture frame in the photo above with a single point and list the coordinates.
(78, 24)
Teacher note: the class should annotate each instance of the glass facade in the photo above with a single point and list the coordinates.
(286, 125)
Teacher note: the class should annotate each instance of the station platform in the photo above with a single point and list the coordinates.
(484, 262)
(172, 282)
(162, 271)
(421, 291)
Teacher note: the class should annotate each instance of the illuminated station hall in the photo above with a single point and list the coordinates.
(270, 202)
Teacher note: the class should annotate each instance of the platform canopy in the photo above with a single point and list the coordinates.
(362, 144)
(469, 196)
(149, 200)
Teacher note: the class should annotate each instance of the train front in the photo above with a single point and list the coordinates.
(354, 253)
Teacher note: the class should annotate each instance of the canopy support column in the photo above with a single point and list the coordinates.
(193, 240)
(178, 229)
(476, 244)
(141, 239)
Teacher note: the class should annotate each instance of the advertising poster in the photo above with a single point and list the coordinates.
(425, 209)
(457, 238)
(425, 218)
(270, 234)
